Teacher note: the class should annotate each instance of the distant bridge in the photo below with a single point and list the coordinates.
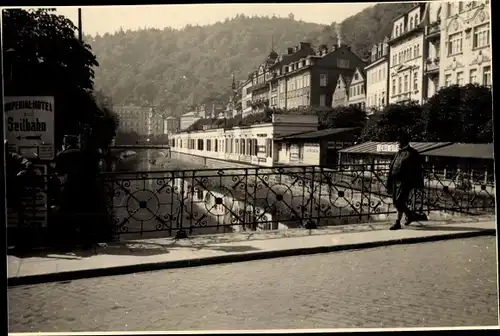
(132, 147)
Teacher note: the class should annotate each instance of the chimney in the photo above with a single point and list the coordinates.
(289, 51)
(305, 45)
(295, 49)
(339, 37)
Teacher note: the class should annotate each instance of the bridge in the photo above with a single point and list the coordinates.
(132, 147)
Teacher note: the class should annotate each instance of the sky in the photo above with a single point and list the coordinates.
(108, 19)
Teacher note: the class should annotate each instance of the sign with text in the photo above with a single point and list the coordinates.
(30, 126)
(387, 148)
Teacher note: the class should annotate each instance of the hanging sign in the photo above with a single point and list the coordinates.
(30, 126)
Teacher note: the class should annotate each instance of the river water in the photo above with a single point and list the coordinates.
(152, 160)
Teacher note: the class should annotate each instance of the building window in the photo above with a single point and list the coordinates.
(406, 83)
(394, 59)
(455, 44)
(400, 85)
(323, 80)
(487, 76)
(473, 76)
(397, 31)
(411, 23)
(460, 78)
(481, 36)
(393, 86)
(322, 100)
(342, 63)
(418, 50)
(450, 9)
(415, 81)
(447, 80)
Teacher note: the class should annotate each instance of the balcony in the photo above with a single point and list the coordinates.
(433, 30)
(258, 87)
(432, 65)
(403, 97)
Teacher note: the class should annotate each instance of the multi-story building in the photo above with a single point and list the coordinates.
(171, 125)
(432, 48)
(357, 89)
(135, 119)
(285, 63)
(311, 80)
(188, 119)
(406, 61)
(157, 124)
(466, 43)
(246, 97)
(340, 96)
(377, 74)
(261, 83)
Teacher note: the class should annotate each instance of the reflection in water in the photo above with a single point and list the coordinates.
(151, 160)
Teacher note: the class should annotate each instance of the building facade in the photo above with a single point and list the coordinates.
(357, 89)
(406, 59)
(377, 77)
(135, 119)
(246, 97)
(312, 80)
(157, 124)
(251, 144)
(188, 119)
(340, 96)
(171, 125)
(432, 48)
(466, 43)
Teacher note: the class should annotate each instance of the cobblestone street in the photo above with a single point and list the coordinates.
(447, 283)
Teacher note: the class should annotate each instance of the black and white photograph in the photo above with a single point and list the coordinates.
(249, 167)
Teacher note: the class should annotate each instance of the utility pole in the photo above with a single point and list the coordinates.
(80, 35)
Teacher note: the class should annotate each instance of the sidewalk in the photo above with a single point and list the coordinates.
(165, 253)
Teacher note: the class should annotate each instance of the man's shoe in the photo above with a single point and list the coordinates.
(396, 226)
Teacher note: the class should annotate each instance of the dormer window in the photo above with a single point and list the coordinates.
(397, 31)
(416, 19)
(411, 23)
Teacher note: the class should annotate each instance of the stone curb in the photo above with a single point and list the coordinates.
(230, 258)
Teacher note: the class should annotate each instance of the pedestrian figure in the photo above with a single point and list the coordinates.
(17, 169)
(405, 174)
(70, 166)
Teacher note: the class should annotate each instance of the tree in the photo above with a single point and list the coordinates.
(395, 118)
(342, 116)
(44, 57)
(459, 114)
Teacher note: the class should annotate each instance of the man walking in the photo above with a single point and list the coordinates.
(405, 174)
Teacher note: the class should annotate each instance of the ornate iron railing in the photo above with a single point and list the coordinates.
(229, 200)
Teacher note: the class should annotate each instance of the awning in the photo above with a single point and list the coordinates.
(464, 150)
(390, 148)
(316, 135)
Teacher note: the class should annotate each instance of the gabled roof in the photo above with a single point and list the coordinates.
(361, 72)
(346, 79)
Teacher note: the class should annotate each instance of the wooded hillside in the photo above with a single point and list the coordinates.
(174, 69)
